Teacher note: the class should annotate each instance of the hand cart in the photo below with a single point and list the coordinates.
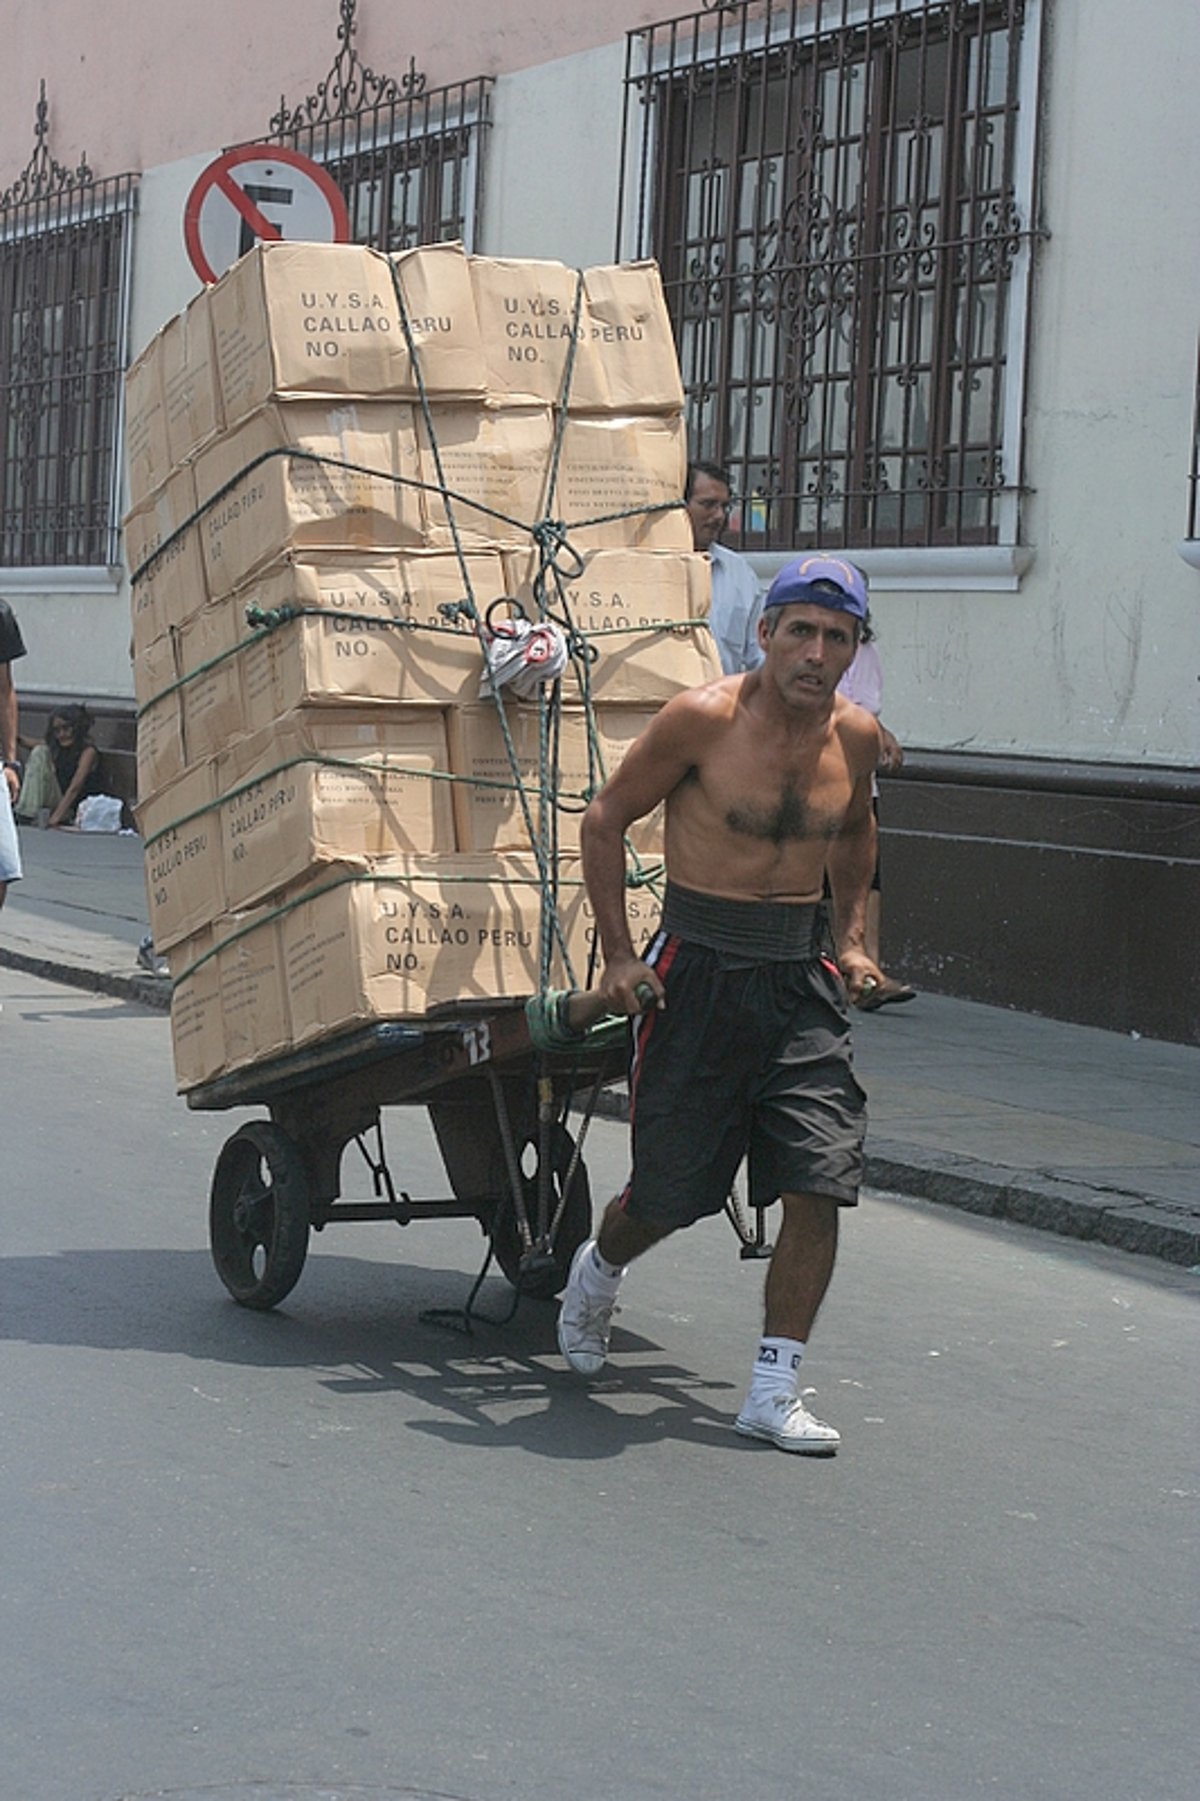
(498, 1079)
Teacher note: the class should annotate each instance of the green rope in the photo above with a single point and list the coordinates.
(323, 760)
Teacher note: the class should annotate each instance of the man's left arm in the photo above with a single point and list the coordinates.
(851, 866)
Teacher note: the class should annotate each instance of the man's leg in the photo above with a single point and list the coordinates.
(621, 1239)
(801, 1266)
(590, 1297)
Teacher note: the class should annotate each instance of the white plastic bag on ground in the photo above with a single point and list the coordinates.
(98, 813)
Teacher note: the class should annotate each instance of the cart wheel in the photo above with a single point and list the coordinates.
(258, 1215)
(546, 1281)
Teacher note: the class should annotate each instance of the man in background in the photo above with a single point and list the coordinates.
(736, 597)
(12, 646)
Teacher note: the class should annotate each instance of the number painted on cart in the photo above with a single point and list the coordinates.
(478, 1040)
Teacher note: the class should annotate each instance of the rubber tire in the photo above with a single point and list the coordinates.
(574, 1227)
(258, 1229)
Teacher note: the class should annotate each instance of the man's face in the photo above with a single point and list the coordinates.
(708, 510)
(808, 652)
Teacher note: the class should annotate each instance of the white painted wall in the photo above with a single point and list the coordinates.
(553, 160)
(1097, 655)
(163, 278)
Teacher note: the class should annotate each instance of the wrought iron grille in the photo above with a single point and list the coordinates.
(831, 189)
(64, 284)
(407, 158)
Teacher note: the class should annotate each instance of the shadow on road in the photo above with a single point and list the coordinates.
(358, 1327)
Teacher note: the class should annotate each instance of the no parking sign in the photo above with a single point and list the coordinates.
(260, 191)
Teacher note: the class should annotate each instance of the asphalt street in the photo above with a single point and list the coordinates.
(336, 1550)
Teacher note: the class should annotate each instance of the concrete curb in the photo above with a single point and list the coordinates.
(1124, 1221)
(138, 985)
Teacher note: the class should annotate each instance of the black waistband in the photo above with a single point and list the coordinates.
(760, 931)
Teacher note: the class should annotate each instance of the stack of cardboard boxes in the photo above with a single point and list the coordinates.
(333, 828)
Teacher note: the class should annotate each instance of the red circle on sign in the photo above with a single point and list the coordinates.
(217, 175)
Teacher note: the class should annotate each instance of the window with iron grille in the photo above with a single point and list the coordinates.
(839, 196)
(406, 157)
(64, 283)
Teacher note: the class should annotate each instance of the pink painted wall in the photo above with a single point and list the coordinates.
(135, 83)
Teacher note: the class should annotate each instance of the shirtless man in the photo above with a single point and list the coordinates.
(767, 782)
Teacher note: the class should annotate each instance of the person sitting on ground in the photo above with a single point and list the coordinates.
(62, 771)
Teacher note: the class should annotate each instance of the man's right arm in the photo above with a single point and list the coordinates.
(654, 765)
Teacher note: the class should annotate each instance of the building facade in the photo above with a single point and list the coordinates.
(933, 271)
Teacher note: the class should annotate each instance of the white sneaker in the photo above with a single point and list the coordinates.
(584, 1322)
(787, 1423)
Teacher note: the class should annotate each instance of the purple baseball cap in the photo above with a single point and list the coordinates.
(820, 582)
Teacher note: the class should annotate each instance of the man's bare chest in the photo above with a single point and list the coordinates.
(755, 801)
(788, 817)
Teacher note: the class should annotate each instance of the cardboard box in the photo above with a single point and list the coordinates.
(628, 467)
(370, 641)
(171, 586)
(487, 806)
(499, 459)
(181, 830)
(629, 363)
(415, 933)
(255, 1013)
(189, 379)
(643, 909)
(317, 789)
(645, 668)
(255, 510)
(527, 320)
(147, 456)
(197, 1034)
(313, 319)
(213, 646)
(439, 300)
(644, 615)
(161, 755)
(530, 313)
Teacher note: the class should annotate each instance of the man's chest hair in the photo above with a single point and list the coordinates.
(788, 818)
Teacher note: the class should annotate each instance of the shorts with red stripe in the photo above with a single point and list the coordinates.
(748, 1058)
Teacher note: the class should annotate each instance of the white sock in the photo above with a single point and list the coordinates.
(599, 1276)
(776, 1368)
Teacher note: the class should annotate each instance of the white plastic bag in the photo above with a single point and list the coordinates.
(98, 813)
(521, 655)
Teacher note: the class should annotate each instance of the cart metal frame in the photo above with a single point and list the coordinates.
(498, 1106)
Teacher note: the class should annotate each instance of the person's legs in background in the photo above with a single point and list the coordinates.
(10, 849)
(39, 790)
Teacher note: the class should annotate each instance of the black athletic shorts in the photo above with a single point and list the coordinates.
(751, 1055)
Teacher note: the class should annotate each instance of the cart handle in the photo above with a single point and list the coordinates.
(561, 1018)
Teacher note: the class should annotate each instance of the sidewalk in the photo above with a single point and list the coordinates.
(1082, 1132)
